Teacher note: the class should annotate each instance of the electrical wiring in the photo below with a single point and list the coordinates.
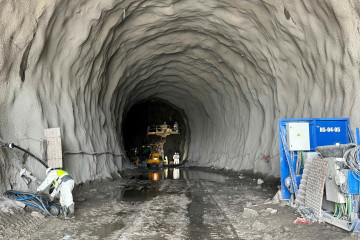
(349, 206)
(34, 200)
(352, 160)
(340, 211)
(336, 210)
(93, 153)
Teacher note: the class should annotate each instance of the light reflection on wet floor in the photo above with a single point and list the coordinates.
(145, 185)
(175, 174)
(149, 189)
(202, 196)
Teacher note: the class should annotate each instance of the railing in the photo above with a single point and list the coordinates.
(161, 130)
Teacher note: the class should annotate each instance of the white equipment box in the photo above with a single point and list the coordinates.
(298, 137)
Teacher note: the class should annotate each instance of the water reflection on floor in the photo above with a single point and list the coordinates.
(175, 203)
(143, 193)
(147, 181)
(187, 197)
(175, 174)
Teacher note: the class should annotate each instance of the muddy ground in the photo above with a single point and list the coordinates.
(185, 203)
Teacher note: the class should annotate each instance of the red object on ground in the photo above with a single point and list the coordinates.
(302, 220)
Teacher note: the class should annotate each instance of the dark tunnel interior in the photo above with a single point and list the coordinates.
(149, 113)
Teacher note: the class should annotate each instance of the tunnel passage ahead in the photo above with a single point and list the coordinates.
(142, 117)
(234, 67)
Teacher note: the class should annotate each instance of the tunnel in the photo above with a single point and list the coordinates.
(102, 72)
(233, 68)
(148, 116)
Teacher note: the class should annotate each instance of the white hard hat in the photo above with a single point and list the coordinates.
(48, 170)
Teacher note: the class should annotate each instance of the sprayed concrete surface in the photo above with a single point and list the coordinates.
(233, 67)
(200, 204)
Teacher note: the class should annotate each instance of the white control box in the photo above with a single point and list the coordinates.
(298, 136)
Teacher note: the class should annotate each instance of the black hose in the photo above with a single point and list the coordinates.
(33, 200)
(11, 145)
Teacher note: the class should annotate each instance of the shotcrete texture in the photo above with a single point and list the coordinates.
(233, 67)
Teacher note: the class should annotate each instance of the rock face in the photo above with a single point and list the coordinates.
(233, 67)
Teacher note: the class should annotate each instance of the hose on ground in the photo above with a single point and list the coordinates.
(34, 200)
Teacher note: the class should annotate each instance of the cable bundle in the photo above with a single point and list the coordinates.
(352, 159)
(34, 200)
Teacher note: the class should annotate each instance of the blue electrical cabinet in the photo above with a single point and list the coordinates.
(322, 132)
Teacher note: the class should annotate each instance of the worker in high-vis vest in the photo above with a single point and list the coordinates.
(63, 183)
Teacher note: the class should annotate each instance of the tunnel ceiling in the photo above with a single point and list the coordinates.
(233, 67)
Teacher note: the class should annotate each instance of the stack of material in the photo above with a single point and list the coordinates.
(311, 188)
(300, 197)
(315, 185)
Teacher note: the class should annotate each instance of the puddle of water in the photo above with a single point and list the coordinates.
(154, 176)
(150, 189)
(107, 229)
(208, 176)
(145, 193)
(165, 173)
(178, 173)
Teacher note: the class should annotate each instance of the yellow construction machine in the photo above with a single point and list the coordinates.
(154, 160)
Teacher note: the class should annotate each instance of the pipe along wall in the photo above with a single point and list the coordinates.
(232, 67)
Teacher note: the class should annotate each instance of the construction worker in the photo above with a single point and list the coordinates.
(176, 126)
(176, 158)
(63, 184)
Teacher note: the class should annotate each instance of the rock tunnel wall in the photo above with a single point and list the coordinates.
(234, 67)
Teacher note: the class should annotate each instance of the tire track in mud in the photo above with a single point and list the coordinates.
(163, 217)
(207, 220)
(18, 224)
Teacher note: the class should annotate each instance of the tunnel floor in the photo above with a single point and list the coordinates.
(178, 203)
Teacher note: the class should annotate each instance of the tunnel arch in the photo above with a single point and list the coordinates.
(234, 68)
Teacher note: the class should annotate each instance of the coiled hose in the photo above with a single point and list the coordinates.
(33, 200)
(352, 160)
